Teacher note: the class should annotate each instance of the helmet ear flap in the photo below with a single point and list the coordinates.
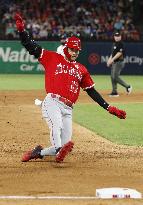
(67, 53)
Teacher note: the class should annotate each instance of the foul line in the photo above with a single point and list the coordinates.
(50, 197)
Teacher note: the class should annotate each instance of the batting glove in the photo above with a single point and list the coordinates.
(115, 111)
(19, 22)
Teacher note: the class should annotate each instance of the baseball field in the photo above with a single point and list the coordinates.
(108, 152)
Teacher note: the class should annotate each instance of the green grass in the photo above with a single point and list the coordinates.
(104, 82)
(128, 131)
(21, 82)
(33, 82)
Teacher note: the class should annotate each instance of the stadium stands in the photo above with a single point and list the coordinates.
(89, 19)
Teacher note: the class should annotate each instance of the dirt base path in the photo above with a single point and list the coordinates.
(94, 162)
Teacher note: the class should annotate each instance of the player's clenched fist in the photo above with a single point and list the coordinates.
(115, 111)
(19, 22)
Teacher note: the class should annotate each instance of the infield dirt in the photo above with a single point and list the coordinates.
(93, 163)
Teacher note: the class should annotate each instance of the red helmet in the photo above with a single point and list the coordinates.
(73, 42)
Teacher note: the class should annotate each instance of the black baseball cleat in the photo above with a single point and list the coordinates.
(32, 154)
(114, 94)
(129, 89)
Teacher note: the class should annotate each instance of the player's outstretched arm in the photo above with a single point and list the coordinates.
(31, 46)
(111, 109)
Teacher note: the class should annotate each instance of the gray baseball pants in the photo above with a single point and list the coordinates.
(115, 75)
(58, 116)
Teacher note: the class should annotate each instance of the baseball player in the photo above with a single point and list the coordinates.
(59, 51)
(63, 79)
(116, 61)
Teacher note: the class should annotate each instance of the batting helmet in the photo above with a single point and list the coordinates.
(73, 42)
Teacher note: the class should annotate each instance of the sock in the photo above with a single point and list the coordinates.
(48, 151)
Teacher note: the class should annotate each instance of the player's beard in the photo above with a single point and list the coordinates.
(74, 57)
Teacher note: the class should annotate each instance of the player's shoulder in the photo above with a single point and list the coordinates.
(80, 66)
(49, 53)
(46, 54)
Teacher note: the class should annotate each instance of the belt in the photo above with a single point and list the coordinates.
(62, 99)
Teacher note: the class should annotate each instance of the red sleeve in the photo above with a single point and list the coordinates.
(45, 56)
(86, 81)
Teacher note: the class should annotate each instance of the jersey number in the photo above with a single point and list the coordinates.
(74, 87)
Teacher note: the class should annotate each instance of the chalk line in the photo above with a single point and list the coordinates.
(50, 197)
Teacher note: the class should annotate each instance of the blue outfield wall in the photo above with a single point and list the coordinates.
(94, 55)
(98, 53)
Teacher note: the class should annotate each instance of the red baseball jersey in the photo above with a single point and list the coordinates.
(63, 77)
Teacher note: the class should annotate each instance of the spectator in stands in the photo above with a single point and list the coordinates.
(10, 31)
(118, 25)
(90, 18)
